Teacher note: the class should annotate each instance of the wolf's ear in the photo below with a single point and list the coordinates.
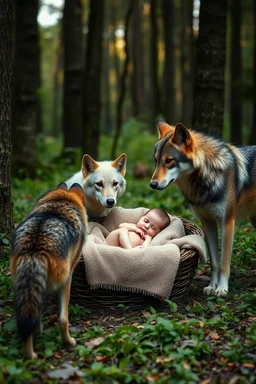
(163, 128)
(88, 165)
(120, 164)
(181, 135)
(62, 186)
(77, 186)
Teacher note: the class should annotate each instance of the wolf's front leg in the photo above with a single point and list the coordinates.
(227, 236)
(210, 229)
(64, 323)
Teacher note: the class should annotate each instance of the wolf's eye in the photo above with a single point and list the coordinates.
(168, 160)
(99, 184)
(115, 183)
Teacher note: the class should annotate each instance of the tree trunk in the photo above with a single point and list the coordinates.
(138, 96)
(187, 62)
(210, 67)
(6, 70)
(39, 116)
(252, 137)
(57, 85)
(107, 124)
(72, 93)
(155, 104)
(25, 106)
(235, 75)
(168, 78)
(92, 80)
(122, 90)
(116, 63)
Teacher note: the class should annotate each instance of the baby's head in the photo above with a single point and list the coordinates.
(154, 221)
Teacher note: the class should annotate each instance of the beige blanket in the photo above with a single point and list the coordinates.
(149, 270)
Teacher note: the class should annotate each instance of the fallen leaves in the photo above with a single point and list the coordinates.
(93, 343)
(65, 372)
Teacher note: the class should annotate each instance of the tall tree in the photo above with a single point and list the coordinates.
(138, 97)
(210, 67)
(168, 77)
(114, 22)
(187, 61)
(235, 74)
(6, 70)
(73, 63)
(252, 137)
(122, 83)
(92, 80)
(25, 106)
(107, 78)
(57, 88)
(155, 100)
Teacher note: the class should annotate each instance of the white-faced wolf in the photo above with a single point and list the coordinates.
(103, 182)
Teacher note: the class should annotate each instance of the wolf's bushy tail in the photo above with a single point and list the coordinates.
(30, 291)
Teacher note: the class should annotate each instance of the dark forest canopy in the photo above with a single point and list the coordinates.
(149, 62)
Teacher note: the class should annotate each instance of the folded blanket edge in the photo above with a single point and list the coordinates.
(127, 289)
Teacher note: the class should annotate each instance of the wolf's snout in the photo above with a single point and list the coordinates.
(110, 202)
(153, 184)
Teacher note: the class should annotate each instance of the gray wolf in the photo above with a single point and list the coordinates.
(45, 249)
(103, 182)
(218, 180)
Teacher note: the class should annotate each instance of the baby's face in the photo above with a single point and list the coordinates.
(151, 224)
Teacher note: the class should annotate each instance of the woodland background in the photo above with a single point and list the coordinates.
(107, 68)
(94, 82)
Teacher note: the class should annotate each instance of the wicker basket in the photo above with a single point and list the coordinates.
(106, 298)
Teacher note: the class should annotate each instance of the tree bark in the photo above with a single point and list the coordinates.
(187, 62)
(155, 94)
(122, 89)
(138, 96)
(168, 78)
(210, 67)
(72, 92)
(6, 72)
(92, 80)
(56, 89)
(235, 75)
(252, 137)
(25, 106)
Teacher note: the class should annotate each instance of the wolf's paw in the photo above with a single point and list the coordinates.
(70, 341)
(209, 290)
(220, 292)
(30, 356)
(34, 356)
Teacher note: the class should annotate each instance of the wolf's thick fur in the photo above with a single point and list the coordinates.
(45, 250)
(218, 180)
(103, 182)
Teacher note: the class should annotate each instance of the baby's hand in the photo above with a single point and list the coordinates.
(140, 233)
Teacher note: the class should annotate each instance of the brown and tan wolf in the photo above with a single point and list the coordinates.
(217, 179)
(45, 249)
(103, 182)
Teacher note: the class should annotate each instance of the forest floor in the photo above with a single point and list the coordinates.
(197, 340)
(215, 341)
